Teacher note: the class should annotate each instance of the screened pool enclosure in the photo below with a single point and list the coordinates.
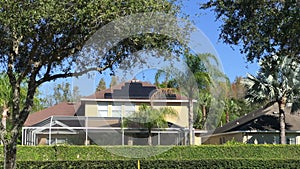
(81, 130)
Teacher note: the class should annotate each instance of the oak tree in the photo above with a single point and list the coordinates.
(262, 28)
(43, 40)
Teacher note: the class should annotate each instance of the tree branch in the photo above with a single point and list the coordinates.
(74, 74)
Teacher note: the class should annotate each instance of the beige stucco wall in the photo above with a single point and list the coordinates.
(198, 140)
(298, 140)
(109, 109)
(223, 138)
(91, 109)
(181, 119)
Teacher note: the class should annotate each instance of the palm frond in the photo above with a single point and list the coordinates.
(274, 81)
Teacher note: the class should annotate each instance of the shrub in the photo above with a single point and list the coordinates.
(204, 156)
(166, 164)
(94, 153)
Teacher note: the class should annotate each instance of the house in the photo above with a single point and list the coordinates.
(98, 119)
(258, 127)
(36, 125)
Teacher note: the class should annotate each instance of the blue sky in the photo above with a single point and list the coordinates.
(234, 64)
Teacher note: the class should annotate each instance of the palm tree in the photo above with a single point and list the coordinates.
(230, 108)
(205, 98)
(198, 78)
(150, 117)
(278, 80)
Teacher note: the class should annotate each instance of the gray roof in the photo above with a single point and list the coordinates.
(264, 119)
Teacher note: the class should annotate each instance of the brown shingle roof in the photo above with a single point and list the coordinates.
(61, 109)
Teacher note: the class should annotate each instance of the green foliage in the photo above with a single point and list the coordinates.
(150, 117)
(263, 28)
(62, 92)
(6, 94)
(166, 164)
(101, 85)
(237, 94)
(220, 163)
(233, 142)
(278, 80)
(205, 156)
(278, 77)
(39, 37)
(42, 41)
(197, 81)
(231, 109)
(114, 81)
(94, 153)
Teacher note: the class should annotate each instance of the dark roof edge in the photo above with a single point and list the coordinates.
(247, 118)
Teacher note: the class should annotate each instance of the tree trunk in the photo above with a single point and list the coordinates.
(203, 115)
(9, 140)
(281, 105)
(282, 127)
(10, 152)
(4, 117)
(149, 138)
(191, 121)
(227, 117)
(14, 123)
(16, 118)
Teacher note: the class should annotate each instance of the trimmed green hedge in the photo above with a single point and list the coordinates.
(165, 164)
(94, 153)
(204, 156)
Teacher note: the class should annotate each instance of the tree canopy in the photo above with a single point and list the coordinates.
(263, 28)
(6, 95)
(44, 40)
(150, 117)
(101, 85)
(277, 81)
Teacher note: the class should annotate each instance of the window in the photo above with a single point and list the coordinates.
(61, 141)
(276, 140)
(57, 141)
(116, 110)
(223, 140)
(102, 109)
(290, 140)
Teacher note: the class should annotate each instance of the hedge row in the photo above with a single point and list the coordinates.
(174, 164)
(94, 153)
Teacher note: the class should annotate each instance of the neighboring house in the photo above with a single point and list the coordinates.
(61, 109)
(36, 127)
(258, 127)
(98, 119)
